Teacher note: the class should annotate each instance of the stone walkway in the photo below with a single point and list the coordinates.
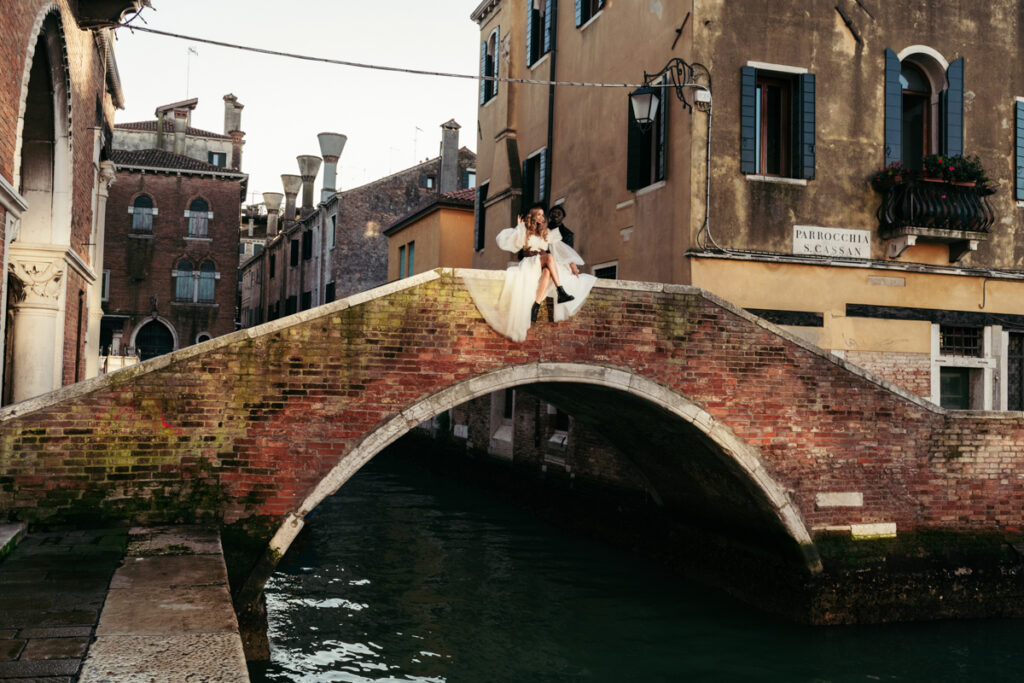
(164, 615)
(52, 587)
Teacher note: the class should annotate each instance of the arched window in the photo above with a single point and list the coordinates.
(207, 280)
(489, 66)
(924, 106)
(918, 115)
(199, 216)
(184, 282)
(142, 213)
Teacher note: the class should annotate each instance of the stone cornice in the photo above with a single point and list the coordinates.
(13, 202)
(484, 10)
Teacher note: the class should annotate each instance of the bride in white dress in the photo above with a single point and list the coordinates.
(548, 269)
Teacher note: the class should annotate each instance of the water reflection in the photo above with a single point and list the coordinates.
(408, 576)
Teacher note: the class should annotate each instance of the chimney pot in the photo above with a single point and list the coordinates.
(309, 164)
(292, 183)
(331, 146)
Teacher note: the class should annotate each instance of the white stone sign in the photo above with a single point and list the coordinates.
(811, 240)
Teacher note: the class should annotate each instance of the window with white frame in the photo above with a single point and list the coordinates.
(142, 211)
(198, 215)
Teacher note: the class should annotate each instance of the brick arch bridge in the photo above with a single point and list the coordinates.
(735, 423)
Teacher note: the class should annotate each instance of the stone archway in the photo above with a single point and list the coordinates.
(743, 458)
(44, 178)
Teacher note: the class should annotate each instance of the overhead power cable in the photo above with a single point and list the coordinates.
(374, 67)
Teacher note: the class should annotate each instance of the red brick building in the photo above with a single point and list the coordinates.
(171, 254)
(59, 87)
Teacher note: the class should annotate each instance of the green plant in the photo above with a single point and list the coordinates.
(893, 174)
(955, 169)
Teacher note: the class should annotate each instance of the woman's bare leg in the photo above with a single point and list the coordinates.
(542, 288)
(548, 264)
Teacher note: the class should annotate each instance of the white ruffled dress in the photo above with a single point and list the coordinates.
(509, 312)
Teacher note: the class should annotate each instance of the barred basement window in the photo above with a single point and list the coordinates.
(960, 341)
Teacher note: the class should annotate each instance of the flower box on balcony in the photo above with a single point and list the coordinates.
(917, 205)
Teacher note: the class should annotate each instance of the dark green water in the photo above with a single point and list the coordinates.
(409, 576)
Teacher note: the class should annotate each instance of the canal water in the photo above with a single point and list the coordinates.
(410, 575)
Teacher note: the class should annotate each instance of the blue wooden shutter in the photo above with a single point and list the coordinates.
(662, 150)
(531, 20)
(953, 109)
(483, 72)
(579, 13)
(542, 176)
(893, 109)
(1019, 110)
(805, 126)
(748, 120)
(600, 5)
(549, 24)
(496, 60)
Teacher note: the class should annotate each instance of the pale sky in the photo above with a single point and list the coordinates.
(287, 101)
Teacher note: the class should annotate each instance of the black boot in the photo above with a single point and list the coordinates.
(534, 311)
(564, 296)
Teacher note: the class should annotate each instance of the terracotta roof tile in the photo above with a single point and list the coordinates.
(151, 126)
(468, 193)
(158, 158)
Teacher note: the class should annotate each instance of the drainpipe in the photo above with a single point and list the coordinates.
(551, 100)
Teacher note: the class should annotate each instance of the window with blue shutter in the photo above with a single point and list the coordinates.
(805, 127)
(535, 171)
(893, 109)
(647, 148)
(538, 29)
(953, 110)
(1019, 148)
(551, 6)
(489, 66)
(777, 123)
(748, 120)
(586, 9)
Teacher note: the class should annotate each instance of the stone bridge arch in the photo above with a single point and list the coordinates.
(742, 458)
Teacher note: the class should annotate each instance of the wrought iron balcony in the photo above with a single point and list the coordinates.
(936, 211)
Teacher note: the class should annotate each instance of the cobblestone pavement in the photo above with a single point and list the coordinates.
(52, 588)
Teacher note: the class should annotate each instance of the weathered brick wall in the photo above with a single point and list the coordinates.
(360, 259)
(76, 324)
(141, 265)
(912, 371)
(250, 425)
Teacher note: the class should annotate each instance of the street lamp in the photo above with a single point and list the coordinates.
(676, 75)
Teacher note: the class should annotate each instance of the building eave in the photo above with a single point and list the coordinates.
(432, 207)
(484, 10)
(182, 171)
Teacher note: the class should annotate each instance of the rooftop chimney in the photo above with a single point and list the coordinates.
(291, 183)
(180, 124)
(331, 145)
(232, 114)
(272, 200)
(308, 167)
(449, 173)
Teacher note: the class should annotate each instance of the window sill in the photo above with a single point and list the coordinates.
(650, 188)
(198, 239)
(197, 304)
(777, 179)
(540, 61)
(488, 102)
(140, 236)
(591, 20)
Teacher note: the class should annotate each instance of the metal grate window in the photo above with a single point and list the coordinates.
(960, 341)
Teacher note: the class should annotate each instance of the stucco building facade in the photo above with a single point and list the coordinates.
(60, 87)
(773, 209)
